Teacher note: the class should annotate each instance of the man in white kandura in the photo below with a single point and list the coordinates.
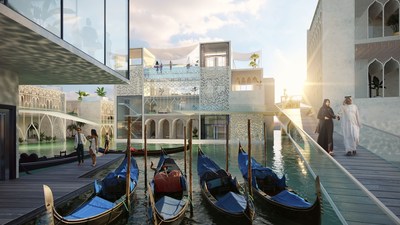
(351, 125)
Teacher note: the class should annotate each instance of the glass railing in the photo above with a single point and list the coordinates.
(181, 73)
(337, 183)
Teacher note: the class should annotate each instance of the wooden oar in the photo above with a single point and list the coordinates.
(145, 154)
(227, 145)
(128, 170)
(190, 167)
(184, 149)
(152, 203)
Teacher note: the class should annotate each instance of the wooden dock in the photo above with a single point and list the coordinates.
(22, 199)
(374, 196)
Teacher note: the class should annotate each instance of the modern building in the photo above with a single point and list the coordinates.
(56, 43)
(353, 48)
(172, 86)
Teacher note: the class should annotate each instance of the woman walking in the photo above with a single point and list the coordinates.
(94, 145)
(325, 116)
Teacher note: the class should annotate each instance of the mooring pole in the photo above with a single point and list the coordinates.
(249, 175)
(190, 166)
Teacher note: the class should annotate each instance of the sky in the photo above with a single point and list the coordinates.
(276, 27)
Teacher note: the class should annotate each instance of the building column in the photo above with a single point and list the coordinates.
(8, 125)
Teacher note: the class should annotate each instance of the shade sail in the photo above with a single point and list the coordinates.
(172, 53)
(240, 56)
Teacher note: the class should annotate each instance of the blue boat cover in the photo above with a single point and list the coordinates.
(258, 171)
(207, 169)
(232, 202)
(286, 197)
(111, 183)
(94, 207)
(169, 207)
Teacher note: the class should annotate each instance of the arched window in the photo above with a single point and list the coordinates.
(375, 21)
(375, 78)
(391, 13)
(391, 79)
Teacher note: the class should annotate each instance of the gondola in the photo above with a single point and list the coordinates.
(168, 192)
(222, 192)
(274, 195)
(25, 165)
(140, 152)
(107, 203)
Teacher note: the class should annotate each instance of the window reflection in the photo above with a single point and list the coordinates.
(85, 28)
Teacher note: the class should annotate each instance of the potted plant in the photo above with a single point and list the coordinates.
(377, 85)
(195, 130)
(82, 94)
(393, 22)
(253, 58)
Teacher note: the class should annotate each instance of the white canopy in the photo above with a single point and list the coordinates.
(58, 114)
(178, 56)
(239, 56)
(172, 53)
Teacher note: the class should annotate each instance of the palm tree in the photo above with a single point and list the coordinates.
(71, 128)
(82, 94)
(101, 92)
(80, 124)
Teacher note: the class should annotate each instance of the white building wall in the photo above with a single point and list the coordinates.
(345, 24)
(338, 49)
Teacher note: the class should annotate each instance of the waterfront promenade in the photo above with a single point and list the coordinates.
(380, 178)
(22, 199)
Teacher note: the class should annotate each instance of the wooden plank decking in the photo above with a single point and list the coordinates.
(378, 176)
(22, 199)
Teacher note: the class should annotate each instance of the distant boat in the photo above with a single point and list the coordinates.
(168, 193)
(140, 152)
(106, 204)
(274, 194)
(222, 191)
(32, 163)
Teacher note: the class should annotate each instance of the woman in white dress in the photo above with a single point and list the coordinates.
(350, 125)
(94, 145)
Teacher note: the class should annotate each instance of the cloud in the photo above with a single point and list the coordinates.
(157, 22)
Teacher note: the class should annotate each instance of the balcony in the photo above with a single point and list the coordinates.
(172, 74)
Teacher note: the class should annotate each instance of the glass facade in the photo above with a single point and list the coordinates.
(98, 28)
(129, 106)
(43, 12)
(214, 127)
(84, 28)
(116, 36)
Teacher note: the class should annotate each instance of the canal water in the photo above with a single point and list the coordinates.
(280, 154)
